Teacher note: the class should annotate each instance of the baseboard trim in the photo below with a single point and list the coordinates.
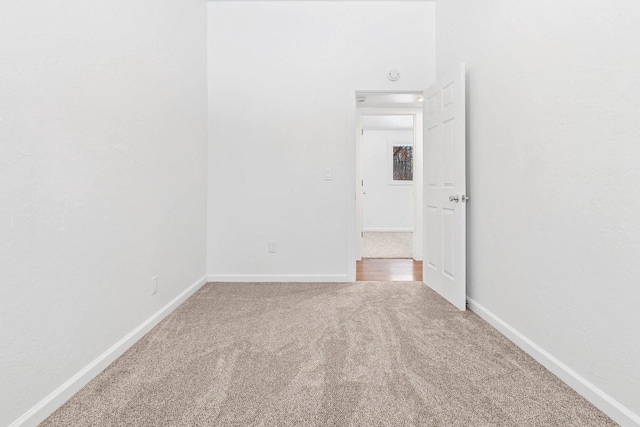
(59, 396)
(601, 400)
(313, 278)
(388, 230)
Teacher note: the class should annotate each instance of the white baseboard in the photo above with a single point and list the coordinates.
(338, 278)
(601, 400)
(388, 230)
(59, 396)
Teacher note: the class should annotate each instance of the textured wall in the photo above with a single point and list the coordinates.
(279, 75)
(102, 178)
(554, 229)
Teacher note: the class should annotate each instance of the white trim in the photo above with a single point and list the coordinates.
(304, 278)
(353, 190)
(389, 230)
(353, 186)
(601, 400)
(59, 396)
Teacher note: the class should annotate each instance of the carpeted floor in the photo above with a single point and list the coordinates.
(387, 245)
(359, 354)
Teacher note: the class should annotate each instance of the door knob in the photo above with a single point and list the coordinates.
(454, 198)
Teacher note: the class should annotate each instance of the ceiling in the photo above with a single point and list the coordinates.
(314, 0)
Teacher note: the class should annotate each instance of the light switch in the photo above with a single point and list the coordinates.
(327, 175)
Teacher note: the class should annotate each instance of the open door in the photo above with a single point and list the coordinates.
(445, 196)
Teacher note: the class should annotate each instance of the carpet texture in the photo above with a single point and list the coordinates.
(387, 245)
(302, 354)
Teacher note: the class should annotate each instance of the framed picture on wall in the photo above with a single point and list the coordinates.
(400, 163)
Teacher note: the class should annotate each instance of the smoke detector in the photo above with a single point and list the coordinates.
(394, 75)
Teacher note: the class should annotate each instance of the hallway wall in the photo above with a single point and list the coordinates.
(386, 207)
(554, 237)
(102, 180)
(279, 75)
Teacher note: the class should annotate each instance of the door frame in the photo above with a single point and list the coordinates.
(354, 171)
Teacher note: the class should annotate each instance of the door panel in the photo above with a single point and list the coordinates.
(448, 234)
(431, 155)
(432, 244)
(447, 154)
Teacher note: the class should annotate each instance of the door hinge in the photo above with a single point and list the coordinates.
(362, 182)
(362, 234)
(361, 131)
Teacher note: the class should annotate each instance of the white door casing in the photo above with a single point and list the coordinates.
(360, 193)
(444, 267)
(359, 189)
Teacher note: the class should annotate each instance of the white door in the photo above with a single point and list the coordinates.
(444, 267)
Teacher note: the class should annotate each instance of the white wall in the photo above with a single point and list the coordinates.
(280, 75)
(378, 122)
(102, 179)
(386, 207)
(554, 215)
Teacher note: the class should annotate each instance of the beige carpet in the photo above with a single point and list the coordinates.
(387, 245)
(363, 354)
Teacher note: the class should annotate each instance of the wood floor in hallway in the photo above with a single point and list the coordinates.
(388, 270)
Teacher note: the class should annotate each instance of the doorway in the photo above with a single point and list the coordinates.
(389, 189)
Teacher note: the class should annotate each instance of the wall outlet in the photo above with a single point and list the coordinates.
(273, 247)
(154, 285)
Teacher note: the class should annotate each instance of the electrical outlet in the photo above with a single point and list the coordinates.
(273, 247)
(154, 285)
